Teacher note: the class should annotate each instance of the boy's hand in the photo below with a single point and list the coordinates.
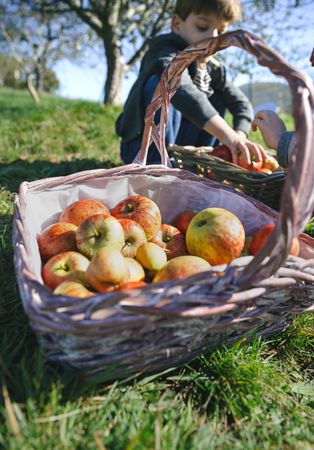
(270, 126)
(241, 148)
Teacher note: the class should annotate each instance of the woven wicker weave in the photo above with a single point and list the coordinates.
(266, 188)
(166, 324)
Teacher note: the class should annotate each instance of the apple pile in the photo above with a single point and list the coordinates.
(269, 165)
(94, 249)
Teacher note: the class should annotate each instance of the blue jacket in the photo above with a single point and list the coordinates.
(189, 100)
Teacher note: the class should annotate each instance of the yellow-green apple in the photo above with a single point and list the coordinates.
(63, 267)
(78, 211)
(142, 210)
(181, 267)
(57, 238)
(271, 163)
(99, 231)
(183, 220)
(107, 269)
(73, 289)
(151, 256)
(136, 271)
(216, 235)
(172, 240)
(134, 236)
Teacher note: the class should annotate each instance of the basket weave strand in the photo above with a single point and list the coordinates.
(163, 325)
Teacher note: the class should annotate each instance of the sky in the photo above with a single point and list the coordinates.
(82, 82)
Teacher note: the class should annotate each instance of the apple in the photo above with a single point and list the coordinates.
(136, 271)
(99, 231)
(247, 243)
(271, 163)
(261, 236)
(216, 235)
(56, 238)
(63, 267)
(181, 267)
(130, 285)
(172, 240)
(142, 210)
(134, 236)
(255, 166)
(183, 220)
(78, 211)
(151, 256)
(73, 289)
(107, 269)
(222, 152)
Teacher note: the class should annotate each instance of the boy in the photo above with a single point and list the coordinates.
(198, 107)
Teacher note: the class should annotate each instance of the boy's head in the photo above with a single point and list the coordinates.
(195, 20)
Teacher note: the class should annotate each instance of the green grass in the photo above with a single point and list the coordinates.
(256, 395)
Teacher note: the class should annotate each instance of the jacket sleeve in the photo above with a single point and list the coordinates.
(239, 106)
(285, 146)
(189, 100)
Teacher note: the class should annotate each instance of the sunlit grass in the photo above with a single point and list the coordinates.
(257, 395)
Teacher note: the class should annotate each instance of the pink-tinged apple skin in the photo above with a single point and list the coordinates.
(216, 235)
(136, 271)
(134, 236)
(151, 256)
(107, 269)
(181, 267)
(172, 240)
(99, 231)
(142, 210)
(80, 210)
(73, 289)
(63, 267)
(57, 238)
(183, 220)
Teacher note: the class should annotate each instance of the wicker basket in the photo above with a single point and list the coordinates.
(162, 325)
(266, 188)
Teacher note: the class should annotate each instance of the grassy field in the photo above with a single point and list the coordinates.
(251, 396)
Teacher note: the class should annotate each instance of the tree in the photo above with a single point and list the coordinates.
(37, 38)
(124, 28)
(282, 26)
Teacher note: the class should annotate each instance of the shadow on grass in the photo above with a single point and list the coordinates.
(13, 174)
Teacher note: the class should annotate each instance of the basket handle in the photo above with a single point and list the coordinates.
(297, 200)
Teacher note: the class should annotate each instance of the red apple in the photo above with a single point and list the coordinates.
(78, 211)
(222, 152)
(142, 210)
(136, 271)
(261, 236)
(216, 235)
(107, 269)
(57, 238)
(151, 256)
(134, 236)
(130, 285)
(63, 267)
(183, 220)
(99, 231)
(255, 166)
(181, 267)
(171, 239)
(73, 289)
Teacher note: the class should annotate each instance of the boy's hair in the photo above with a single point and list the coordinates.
(228, 10)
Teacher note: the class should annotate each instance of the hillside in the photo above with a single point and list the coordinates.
(278, 93)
